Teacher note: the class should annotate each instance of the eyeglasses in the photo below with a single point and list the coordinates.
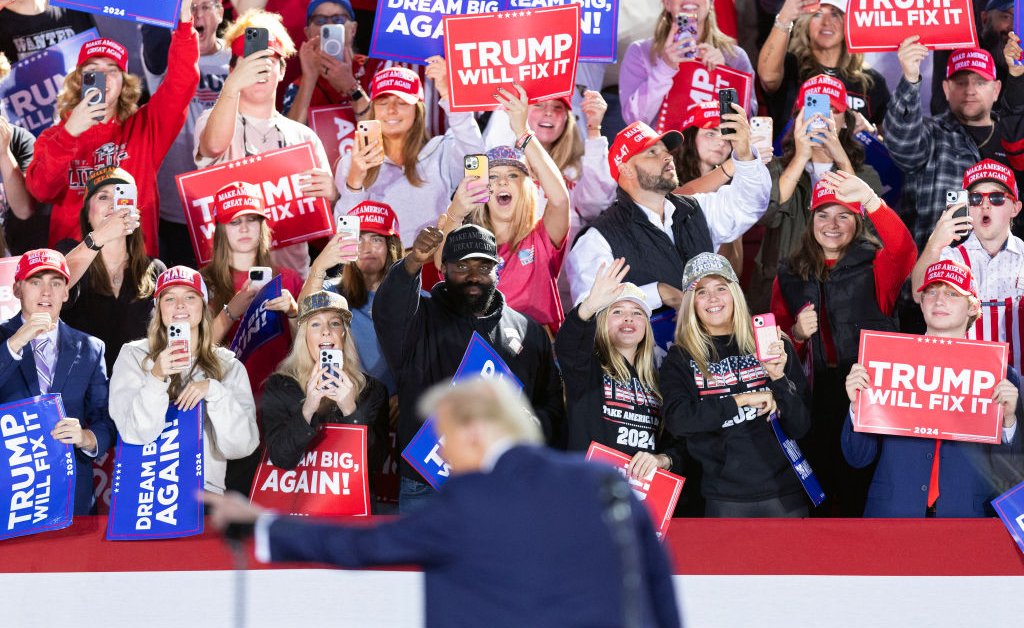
(320, 20)
(204, 7)
(995, 199)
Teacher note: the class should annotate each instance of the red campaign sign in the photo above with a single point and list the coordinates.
(329, 481)
(694, 83)
(881, 25)
(9, 304)
(336, 128)
(918, 389)
(293, 217)
(660, 491)
(536, 48)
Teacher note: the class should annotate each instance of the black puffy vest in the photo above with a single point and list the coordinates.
(849, 293)
(651, 255)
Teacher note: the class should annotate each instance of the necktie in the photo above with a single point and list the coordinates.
(933, 482)
(43, 367)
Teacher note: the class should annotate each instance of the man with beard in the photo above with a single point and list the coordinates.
(424, 339)
(655, 230)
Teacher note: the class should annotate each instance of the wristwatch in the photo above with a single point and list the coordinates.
(91, 243)
(227, 312)
(357, 94)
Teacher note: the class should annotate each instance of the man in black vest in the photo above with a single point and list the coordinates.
(657, 231)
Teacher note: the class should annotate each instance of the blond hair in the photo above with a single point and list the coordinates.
(413, 142)
(711, 34)
(524, 213)
(850, 66)
(258, 18)
(487, 400)
(298, 365)
(693, 337)
(614, 364)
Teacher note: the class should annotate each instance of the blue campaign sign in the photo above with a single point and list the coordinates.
(157, 12)
(599, 25)
(663, 324)
(259, 325)
(424, 450)
(1010, 508)
(412, 31)
(37, 472)
(796, 458)
(155, 485)
(28, 95)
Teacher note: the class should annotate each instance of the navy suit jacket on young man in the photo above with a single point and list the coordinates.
(523, 545)
(80, 376)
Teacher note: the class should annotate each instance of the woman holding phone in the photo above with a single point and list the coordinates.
(720, 397)
(363, 260)
(395, 162)
(649, 80)
(808, 39)
(114, 130)
(531, 250)
(151, 374)
(606, 351)
(113, 278)
(839, 281)
(305, 394)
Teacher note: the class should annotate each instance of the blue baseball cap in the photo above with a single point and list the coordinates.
(999, 5)
(345, 4)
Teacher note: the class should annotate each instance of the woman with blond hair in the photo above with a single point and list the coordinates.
(150, 375)
(802, 45)
(649, 82)
(720, 397)
(606, 350)
(112, 130)
(405, 168)
(302, 396)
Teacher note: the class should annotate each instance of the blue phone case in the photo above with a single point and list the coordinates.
(816, 103)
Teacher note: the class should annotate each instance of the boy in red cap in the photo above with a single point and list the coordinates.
(922, 477)
(994, 255)
(113, 131)
(42, 355)
(934, 152)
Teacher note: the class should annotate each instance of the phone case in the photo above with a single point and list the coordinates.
(266, 273)
(333, 359)
(94, 89)
(256, 39)
(179, 336)
(476, 165)
(817, 103)
(349, 225)
(126, 195)
(369, 130)
(332, 40)
(765, 333)
(761, 126)
(726, 98)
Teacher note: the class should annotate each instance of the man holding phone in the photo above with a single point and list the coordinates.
(994, 255)
(42, 355)
(657, 231)
(244, 122)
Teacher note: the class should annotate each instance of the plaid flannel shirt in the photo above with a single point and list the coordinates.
(933, 153)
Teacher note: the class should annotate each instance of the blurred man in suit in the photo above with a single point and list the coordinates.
(520, 536)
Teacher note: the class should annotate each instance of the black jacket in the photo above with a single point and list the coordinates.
(287, 434)
(741, 458)
(626, 417)
(424, 339)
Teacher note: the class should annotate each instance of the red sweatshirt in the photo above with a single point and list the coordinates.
(892, 266)
(62, 163)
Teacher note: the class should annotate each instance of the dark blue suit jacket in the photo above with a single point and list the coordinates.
(80, 377)
(970, 474)
(523, 545)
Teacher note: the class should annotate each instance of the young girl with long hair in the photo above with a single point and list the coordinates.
(149, 375)
(719, 396)
(302, 396)
(606, 350)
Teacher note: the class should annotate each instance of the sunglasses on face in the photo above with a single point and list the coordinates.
(995, 199)
(320, 20)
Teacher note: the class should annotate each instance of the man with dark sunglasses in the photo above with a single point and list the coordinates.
(982, 241)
